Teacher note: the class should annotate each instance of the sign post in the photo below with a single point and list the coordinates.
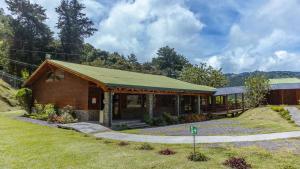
(194, 131)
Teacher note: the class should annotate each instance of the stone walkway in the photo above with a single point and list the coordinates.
(295, 113)
(84, 127)
(199, 139)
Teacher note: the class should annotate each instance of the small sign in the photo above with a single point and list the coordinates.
(94, 100)
(193, 130)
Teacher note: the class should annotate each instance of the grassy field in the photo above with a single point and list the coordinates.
(259, 121)
(265, 118)
(7, 94)
(26, 145)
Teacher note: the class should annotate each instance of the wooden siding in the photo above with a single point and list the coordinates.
(71, 90)
(288, 97)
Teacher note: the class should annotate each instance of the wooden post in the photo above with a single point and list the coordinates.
(107, 113)
(178, 104)
(236, 101)
(243, 102)
(150, 104)
(199, 104)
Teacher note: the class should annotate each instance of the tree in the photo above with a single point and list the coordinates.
(74, 27)
(5, 33)
(169, 62)
(257, 87)
(30, 33)
(203, 75)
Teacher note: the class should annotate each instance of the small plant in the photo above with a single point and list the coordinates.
(145, 146)
(166, 152)
(198, 157)
(283, 113)
(24, 97)
(169, 119)
(98, 138)
(107, 142)
(237, 163)
(123, 143)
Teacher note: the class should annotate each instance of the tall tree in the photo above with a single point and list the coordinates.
(30, 33)
(169, 61)
(5, 33)
(257, 87)
(203, 75)
(74, 27)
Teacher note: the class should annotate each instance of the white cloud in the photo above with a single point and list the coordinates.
(143, 26)
(262, 39)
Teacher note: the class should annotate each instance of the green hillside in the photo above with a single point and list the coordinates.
(7, 94)
(239, 79)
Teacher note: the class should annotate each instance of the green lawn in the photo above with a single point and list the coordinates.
(26, 145)
(265, 118)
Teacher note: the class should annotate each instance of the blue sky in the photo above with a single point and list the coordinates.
(234, 35)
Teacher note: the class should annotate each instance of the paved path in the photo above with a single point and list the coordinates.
(84, 127)
(295, 113)
(199, 139)
(40, 122)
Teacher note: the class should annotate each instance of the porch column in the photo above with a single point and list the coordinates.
(236, 101)
(243, 102)
(107, 112)
(178, 104)
(150, 104)
(199, 104)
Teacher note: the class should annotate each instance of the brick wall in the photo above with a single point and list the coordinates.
(71, 90)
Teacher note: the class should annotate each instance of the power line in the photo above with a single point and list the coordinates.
(22, 63)
(37, 51)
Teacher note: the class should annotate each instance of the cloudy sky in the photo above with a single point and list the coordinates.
(234, 35)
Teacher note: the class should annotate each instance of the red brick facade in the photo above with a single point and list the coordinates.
(66, 90)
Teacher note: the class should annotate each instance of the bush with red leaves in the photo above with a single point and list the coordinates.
(167, 152)
(123, 143)
(237, 163)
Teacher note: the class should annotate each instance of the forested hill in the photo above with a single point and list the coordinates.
(238, 79)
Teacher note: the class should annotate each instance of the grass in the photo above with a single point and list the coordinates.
(26, 145)
(7, 94)
(266, 119)
(262, 119)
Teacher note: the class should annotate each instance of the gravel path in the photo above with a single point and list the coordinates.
(205, 128)
(295, 113)
(40, 122)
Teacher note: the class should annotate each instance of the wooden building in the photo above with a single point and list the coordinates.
(108, 94)
(283, 91)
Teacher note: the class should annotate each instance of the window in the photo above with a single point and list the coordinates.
(55, 76)
(134, 101)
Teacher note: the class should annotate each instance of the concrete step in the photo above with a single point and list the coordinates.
(129, 124)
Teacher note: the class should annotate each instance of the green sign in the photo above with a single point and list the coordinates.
(193, 130)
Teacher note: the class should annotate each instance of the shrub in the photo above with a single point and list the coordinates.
(123, 143)
(50, 109)
(67, 118)
(237, 163)
(277, 108)
(169, 119)
(38, 108)
(193, 118)
(147, 119)
(167, 152)
(283, 113)
(145, 146)
(159, 121)
(198, 157)
(24, 97)
(68, 110)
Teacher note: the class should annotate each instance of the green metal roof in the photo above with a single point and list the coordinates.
(121, 78)
(284, 81)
